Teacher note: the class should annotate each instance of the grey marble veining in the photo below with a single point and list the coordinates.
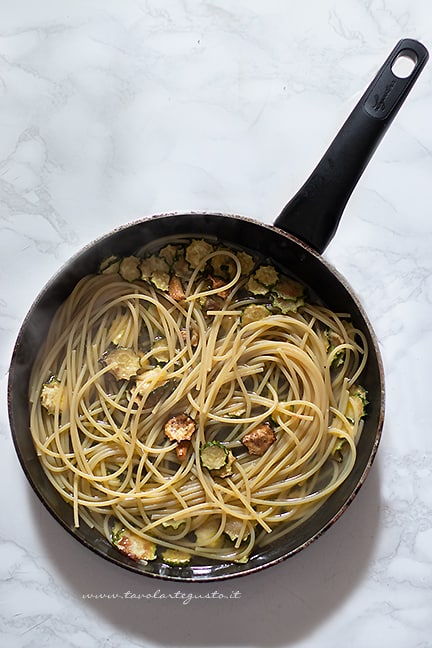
(113, 110)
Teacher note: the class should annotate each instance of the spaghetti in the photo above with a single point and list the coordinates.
(190, 402)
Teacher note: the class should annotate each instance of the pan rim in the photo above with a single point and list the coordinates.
(213, 575)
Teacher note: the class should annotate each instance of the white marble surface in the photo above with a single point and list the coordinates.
(115, 109)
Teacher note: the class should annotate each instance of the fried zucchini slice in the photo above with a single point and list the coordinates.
(267, 275)
(196, 251)
(124, 362)
(254, 313)
(131, 544)
(175, 558)
(129, 268)
(214, 455)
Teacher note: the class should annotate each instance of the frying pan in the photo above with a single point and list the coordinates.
(294, 243)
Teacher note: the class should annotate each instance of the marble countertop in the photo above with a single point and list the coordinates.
(112, 110)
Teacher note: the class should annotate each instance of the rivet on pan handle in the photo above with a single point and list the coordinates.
(314, 213)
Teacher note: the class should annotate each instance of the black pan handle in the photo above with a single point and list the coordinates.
(314, 213)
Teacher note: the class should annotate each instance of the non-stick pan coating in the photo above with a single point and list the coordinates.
(291, 255)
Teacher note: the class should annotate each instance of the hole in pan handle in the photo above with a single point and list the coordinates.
(313, 214)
